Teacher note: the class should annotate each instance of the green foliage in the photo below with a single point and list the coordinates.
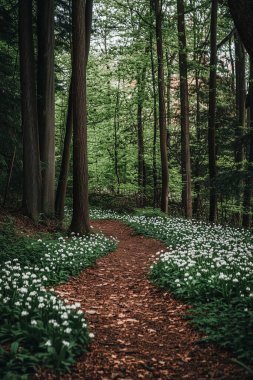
(117, 203)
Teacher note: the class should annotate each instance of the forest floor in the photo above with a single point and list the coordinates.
(140, 330)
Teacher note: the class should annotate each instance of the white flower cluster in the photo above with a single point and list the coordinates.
(72, 254)
(208, 256)
(24, 296)
(23, 292)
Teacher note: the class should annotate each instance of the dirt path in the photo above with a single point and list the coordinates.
(139, 331)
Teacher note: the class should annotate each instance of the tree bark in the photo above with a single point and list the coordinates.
(31, 154)
(242, 13)
(7, 187)
(185, 135)
(140, 100)
(155, 121)
(81, 36)
(162, 112)
(115, 129)
(212, 114)
(240, 97)
(246, 221)
(46, 103)
(63, 177)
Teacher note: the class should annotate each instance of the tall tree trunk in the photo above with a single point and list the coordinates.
(140, 100)
(81, 36)
(155, 121)
(212, 114)
(240, 111)
(240, 97)
(63, 177)
(31, 154)
(115, 128)
(249, 179)
(157, 6)
(185, 136)
(46, 103)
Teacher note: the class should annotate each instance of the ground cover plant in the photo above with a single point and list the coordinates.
(209, 266)
(37, 328)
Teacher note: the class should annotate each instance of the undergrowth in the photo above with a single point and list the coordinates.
(36, 327)
(208, 266)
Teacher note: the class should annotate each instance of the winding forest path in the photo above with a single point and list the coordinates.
(139, 329)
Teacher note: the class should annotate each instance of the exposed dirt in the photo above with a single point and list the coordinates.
(139, 329)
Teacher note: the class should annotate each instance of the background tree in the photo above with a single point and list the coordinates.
(212, 113)
(46, 102)
(184, 101)
(81, 11)
(31, 156)
(157, 6)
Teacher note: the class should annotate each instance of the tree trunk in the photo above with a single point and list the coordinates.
(140, 100)
(212, 114)
(81, 36)
(240, 113)
(155, 121)
(63, 177)
(115, 129)
(185, 137)
(7, 187)
(240, 97)
(162, 113)
(31, 155)
(242, 13)
(249, 179)
(46, 103)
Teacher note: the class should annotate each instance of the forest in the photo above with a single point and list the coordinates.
(126, 182)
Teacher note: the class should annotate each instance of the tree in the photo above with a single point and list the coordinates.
(31, 156)
(63, 176)
(81, 12)
(141, 76)
(46, 102)
(246, 221)
(242, 14)
(184, 101)
(157, 6)
(212, 113)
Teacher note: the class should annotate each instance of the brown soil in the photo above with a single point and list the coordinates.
(139, 329)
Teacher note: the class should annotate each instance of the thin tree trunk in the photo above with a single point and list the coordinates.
(140, 101)
(9, 176)
(162, 113)
(31, 154)
(249, 179)
(80, 219)
(240, 97)
(115, 126)
(155, 121)
(240, 111)
(63, 177)
(185, 136)
(46, 103)
(212, 114)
